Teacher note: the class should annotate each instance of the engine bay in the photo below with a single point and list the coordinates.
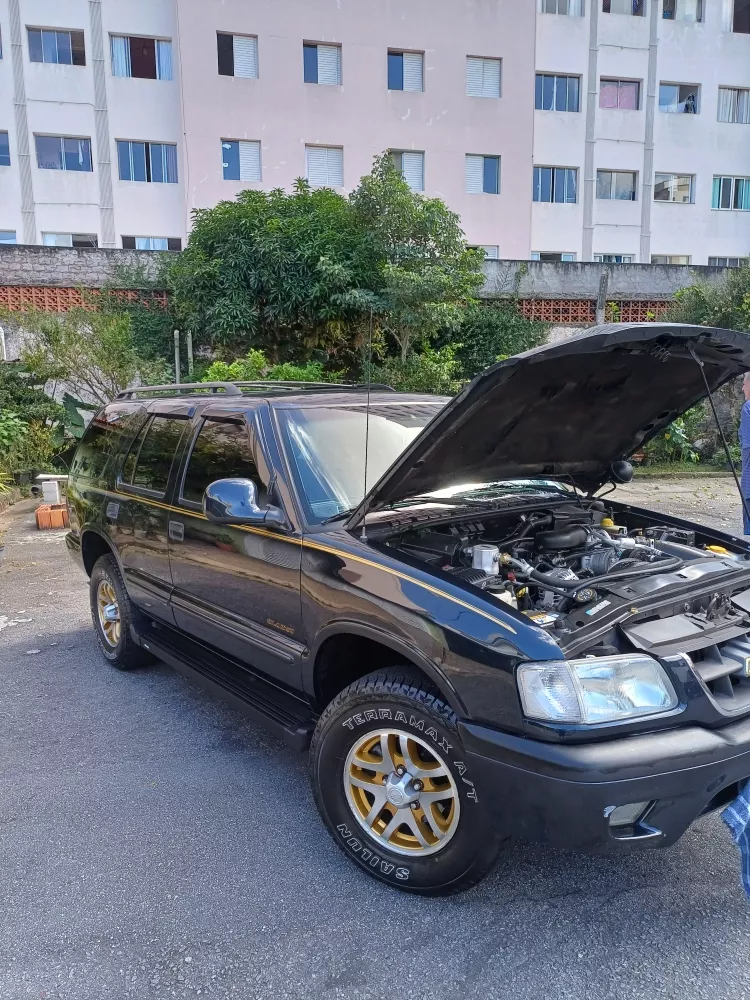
(577, 563)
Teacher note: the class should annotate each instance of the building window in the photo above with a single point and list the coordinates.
(614, 258)
(482, 174)
(636, 7)
(79, 241)
(59, 152)
(7, 237)
(678, 98)
(490, 252)
(405, 71)
(740, 16)
(325, 166)
(734, 105)
(4, 150)
(731, 193)
(552, 258)
(322, 64)
(66, 48)
(556, 184)
(623, 94)
(678, 259)
(483, 77)
(151, 243)
(411, 167)
(557, 93)
(238, 55)
(716, 261)
(573, 8)
(144, 58)
(155, 162)
(616, 185)
(682, 10)
(240, 160)
(677, 188)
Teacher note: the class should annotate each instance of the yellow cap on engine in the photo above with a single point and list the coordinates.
(607, 522)
(719, 549)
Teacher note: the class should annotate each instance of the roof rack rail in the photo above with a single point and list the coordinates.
(291, 385)
(177, 389)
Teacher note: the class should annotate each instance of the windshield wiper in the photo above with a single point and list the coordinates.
(337, 517)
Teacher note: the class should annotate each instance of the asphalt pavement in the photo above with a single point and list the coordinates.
(154, 844)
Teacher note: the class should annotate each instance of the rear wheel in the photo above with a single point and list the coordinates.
(112, 613)
(393, 787)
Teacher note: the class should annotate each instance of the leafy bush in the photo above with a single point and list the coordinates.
(255, 367)
(489, 333)
(12, 430)
(434, 371)
(672, 445)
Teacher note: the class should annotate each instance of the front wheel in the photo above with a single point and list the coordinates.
(393, 787)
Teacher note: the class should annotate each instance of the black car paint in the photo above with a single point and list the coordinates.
(307, 585)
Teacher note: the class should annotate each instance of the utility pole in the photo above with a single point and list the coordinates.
(189, 340)
(177, 357)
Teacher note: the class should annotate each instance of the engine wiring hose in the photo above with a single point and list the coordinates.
(569, 587)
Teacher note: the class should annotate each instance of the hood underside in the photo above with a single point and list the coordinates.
(565, 410)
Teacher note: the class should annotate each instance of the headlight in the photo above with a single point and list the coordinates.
(595, 690)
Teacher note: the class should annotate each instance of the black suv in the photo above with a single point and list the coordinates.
(432, 596)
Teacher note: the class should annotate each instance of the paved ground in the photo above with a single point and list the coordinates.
(155, 845)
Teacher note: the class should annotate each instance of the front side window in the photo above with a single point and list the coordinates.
(677, 188)
(153, 162)
(557, 93)
(79, 241)
(66, 48)
(622, 94)
(734, 105)
(616, 185)
(240, 160)
(682, 10)
(731, 193)
(143, 58)
(321, 64)
(150, 457)
(222, 450)
(4, 150)
(325, 166)
(59, 152)
(556, 184)
(678, 98)
(482, 174)
(405, 71)
(636, 7)
(326, 448)
(411, 166)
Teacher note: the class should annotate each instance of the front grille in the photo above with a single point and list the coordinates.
(725, 671)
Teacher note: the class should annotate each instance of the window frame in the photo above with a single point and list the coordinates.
(553, 185)
(671, 263)
(612, 184)
(671, 201)
(543, 4)
(685, 20)
(695, 88)
(561, 256)
(63, 168)
(541, 75)
(9, 243)
(5, 149)
(73, 236)
(148, 145)
(620, 81)
(200, 422)
(618, 263)
(400, 53)
(177, 457)
(70, 32)
(307, 46)
(733, 178)
(625, 13)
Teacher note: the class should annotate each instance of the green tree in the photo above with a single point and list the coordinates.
(429, 370)
(284, 273)
(133, 291)
(489, 332)
(428, 273)
(724, 304)
(255, 367)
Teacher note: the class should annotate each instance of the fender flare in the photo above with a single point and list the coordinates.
(384, 638)
(90, 529)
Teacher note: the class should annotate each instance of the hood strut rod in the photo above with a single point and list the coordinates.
(721, 433)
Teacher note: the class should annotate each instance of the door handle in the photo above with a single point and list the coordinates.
(176, 531)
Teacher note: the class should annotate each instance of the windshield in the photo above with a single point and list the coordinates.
(326, 448)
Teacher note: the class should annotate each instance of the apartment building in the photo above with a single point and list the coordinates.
(558, 129)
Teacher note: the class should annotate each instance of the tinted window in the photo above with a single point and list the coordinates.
(150, 457)
(221, 451)
(105, 436)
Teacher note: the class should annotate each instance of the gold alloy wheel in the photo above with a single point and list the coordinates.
(401, 792)
(109, 612)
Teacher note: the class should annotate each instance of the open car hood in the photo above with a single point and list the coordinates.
(566, 410)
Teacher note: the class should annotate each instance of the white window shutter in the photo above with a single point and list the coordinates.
(329, 65)
(413, 75)
(491, 78)
(245, 57)
(335, 161)
(249, 161)
(490, 253)
(412, 166)
(325, 166)
(474, 174)
(474, 76)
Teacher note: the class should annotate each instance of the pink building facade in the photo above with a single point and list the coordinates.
(467, 72)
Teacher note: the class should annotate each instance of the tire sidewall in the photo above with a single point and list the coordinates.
(471, 845)
(102, 571)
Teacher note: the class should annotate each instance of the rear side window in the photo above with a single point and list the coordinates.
(221, 451)
(104, 437)
(150, 457)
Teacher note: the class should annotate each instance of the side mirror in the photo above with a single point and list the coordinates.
(235, 501)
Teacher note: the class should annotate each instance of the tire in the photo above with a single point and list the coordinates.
(448, 852)
(115, 639)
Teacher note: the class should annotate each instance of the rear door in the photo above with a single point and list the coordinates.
(144, 484)
(236, 588)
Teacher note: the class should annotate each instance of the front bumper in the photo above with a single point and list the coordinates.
(564, 795)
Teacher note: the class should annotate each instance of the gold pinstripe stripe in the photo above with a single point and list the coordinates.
(342, 553)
